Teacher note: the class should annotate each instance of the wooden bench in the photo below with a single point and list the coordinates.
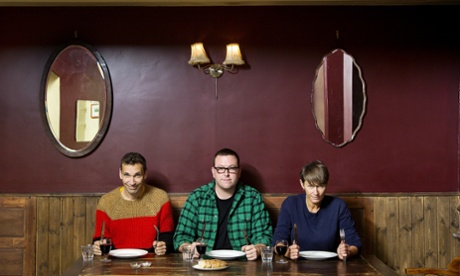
(361, 208)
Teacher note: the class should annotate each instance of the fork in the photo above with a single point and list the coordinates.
(158, 232)
(342, 237)
(246, 237)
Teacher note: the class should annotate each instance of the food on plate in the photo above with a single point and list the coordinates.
(214, 263)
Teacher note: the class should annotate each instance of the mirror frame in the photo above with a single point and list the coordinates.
(363, 91)
(107, 115)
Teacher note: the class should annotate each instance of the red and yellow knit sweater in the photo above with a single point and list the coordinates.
(130, 223)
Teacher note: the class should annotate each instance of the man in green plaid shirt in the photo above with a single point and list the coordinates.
(226, 213)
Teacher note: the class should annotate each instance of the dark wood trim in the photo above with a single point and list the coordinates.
(76, 268)
(182, 3)
(379, 265)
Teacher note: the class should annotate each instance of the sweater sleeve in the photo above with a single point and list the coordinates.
(283, 225)
(262, 229)
(185, 230)
(167, 226)
(101, 217)
(346, 222)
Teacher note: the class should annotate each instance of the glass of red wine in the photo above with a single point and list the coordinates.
(106, 246)
(281, 249)
(201, 247)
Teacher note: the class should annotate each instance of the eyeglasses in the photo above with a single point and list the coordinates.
(230, 170)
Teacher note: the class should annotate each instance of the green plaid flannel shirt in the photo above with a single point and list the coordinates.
(248, 213)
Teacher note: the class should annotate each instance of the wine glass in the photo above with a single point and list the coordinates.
(281, 249)
(105, 245)
(201, 247)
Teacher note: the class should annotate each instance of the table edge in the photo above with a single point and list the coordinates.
(379, 265)
(372, 260)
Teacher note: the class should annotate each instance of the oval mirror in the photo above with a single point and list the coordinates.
(76, 99)
(338, 98)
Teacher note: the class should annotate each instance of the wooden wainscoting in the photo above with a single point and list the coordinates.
(63, 224)
(17, 235)
(403, 230)
(416, 230)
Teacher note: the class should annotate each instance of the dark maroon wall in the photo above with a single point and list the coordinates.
(167, 110)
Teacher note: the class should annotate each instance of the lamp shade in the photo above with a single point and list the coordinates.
(198, 54)
(234, 56)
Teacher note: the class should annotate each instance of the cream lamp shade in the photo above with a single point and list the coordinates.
(198, 54)
(234, 56)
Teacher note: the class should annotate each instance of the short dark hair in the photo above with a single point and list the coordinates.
(132, 158)
(225, 152)
(315, 173)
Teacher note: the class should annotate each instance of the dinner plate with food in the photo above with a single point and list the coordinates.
(213, 264)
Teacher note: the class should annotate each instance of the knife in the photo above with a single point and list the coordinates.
(295, 233)
(202, 231)
(246, 237)
(295, 236)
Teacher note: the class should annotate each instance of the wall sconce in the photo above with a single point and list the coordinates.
(232, 58)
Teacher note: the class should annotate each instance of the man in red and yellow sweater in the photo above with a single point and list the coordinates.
(129, 213)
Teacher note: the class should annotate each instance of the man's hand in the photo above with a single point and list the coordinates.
(97, 248)
(160, 247)
(251, 252)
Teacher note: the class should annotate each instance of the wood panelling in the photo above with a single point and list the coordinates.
(66, 222)
(416, 231)
(63, 224)
(17, 235)
(402, 230)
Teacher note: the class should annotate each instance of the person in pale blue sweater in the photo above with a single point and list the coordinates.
(318, 218)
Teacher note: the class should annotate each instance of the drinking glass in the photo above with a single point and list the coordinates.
(105, 245)
(281, 249)
(266, 253)
(87, 252)
(187, 252)
(201, 247)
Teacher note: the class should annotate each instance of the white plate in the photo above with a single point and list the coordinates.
(223, 254)
(128, 253)
(217, 268)
(317, 255)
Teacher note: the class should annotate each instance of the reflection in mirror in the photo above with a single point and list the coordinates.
(87, 124)
(338, 98)
(76, 99)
